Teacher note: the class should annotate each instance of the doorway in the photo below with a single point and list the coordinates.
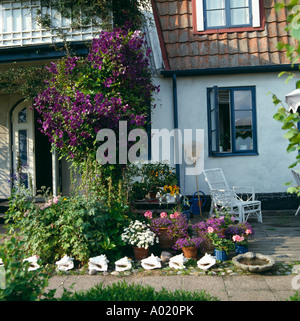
(30, 148)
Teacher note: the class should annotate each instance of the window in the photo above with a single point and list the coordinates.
(211, 15)
(19, 26)
(22, 117)
(227, 13)
(232, 121)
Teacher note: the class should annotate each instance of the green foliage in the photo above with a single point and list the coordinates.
(25, 80)
(122, 291)
(21, 284)
(290, 120)
(84, 12)
(78, 226)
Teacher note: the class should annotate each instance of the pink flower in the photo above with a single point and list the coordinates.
(55, 200)
(172, 215)
(210, 229)
(176, 215)
(237, 238)
(148, 214)
(248, 231)
(163, 214)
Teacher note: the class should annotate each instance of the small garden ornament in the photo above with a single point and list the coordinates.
(177, 262)
(123, 264)
(206, 262)
(151, 262)
(98, 263)
(65, 264)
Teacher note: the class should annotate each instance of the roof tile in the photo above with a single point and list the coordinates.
(187, 50)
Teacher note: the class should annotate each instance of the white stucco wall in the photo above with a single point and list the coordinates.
(4, 147)
(267, 172)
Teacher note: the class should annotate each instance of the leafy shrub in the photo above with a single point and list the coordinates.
(21, 284)
(122, 291)
(78, 226)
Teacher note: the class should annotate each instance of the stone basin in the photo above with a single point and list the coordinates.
(253, 262)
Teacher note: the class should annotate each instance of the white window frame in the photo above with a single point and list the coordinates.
(200, 26)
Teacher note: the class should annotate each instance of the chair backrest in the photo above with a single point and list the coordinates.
(296, 175)
(215, 179)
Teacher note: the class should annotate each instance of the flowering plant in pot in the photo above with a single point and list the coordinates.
(189, 246)
(220, 243)
(241, 242)
(139, 235)
(169, 227)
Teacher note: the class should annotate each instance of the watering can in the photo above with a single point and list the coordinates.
(195, 208)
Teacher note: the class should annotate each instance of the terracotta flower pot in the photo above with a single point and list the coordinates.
(140, 252)
(190, 252)
(165, 242)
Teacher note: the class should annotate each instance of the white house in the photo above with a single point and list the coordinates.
(220, 61)
(215, 62)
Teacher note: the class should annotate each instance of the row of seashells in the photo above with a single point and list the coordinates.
(100, 263)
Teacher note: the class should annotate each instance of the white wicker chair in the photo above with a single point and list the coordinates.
(240, 200)
(296, 175)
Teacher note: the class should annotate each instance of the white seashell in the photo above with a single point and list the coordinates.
(151, 262)
(123, 264)
(177, 262)
(65, 264)
(206, 262)
(33, 263)
(98, 263)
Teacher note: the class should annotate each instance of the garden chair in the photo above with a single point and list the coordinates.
(296, 175)
(240, 200)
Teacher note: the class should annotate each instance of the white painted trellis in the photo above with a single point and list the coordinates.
(19, 26)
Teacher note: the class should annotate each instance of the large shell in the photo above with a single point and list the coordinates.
(65, 264)
(98, 263)
(177, 262)
(33, 263)
(206, 262)
(151, 262)
(123, 264)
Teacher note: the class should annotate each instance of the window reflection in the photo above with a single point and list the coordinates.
(22, 116)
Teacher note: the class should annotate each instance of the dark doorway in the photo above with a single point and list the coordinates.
(43, 158)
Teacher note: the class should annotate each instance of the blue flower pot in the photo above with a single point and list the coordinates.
(220, 255)
(240, 249)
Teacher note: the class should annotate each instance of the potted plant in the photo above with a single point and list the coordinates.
(168, 227)
(241, 242)
(169, 193)
(140, 236)
(222, 245)
(189, 246)
(157, 175)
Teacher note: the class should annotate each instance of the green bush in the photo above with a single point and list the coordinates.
(79, 226)
(122, 291)
(21, 284)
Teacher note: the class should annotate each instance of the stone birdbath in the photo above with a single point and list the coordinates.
(252, 262)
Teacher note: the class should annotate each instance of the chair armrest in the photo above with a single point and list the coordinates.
(222, 198)
(244, 193)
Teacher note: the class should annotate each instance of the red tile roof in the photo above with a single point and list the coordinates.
(183, 49)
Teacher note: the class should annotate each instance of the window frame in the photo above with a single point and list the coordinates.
(199, 24)
(234, 151)
(228, 24)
